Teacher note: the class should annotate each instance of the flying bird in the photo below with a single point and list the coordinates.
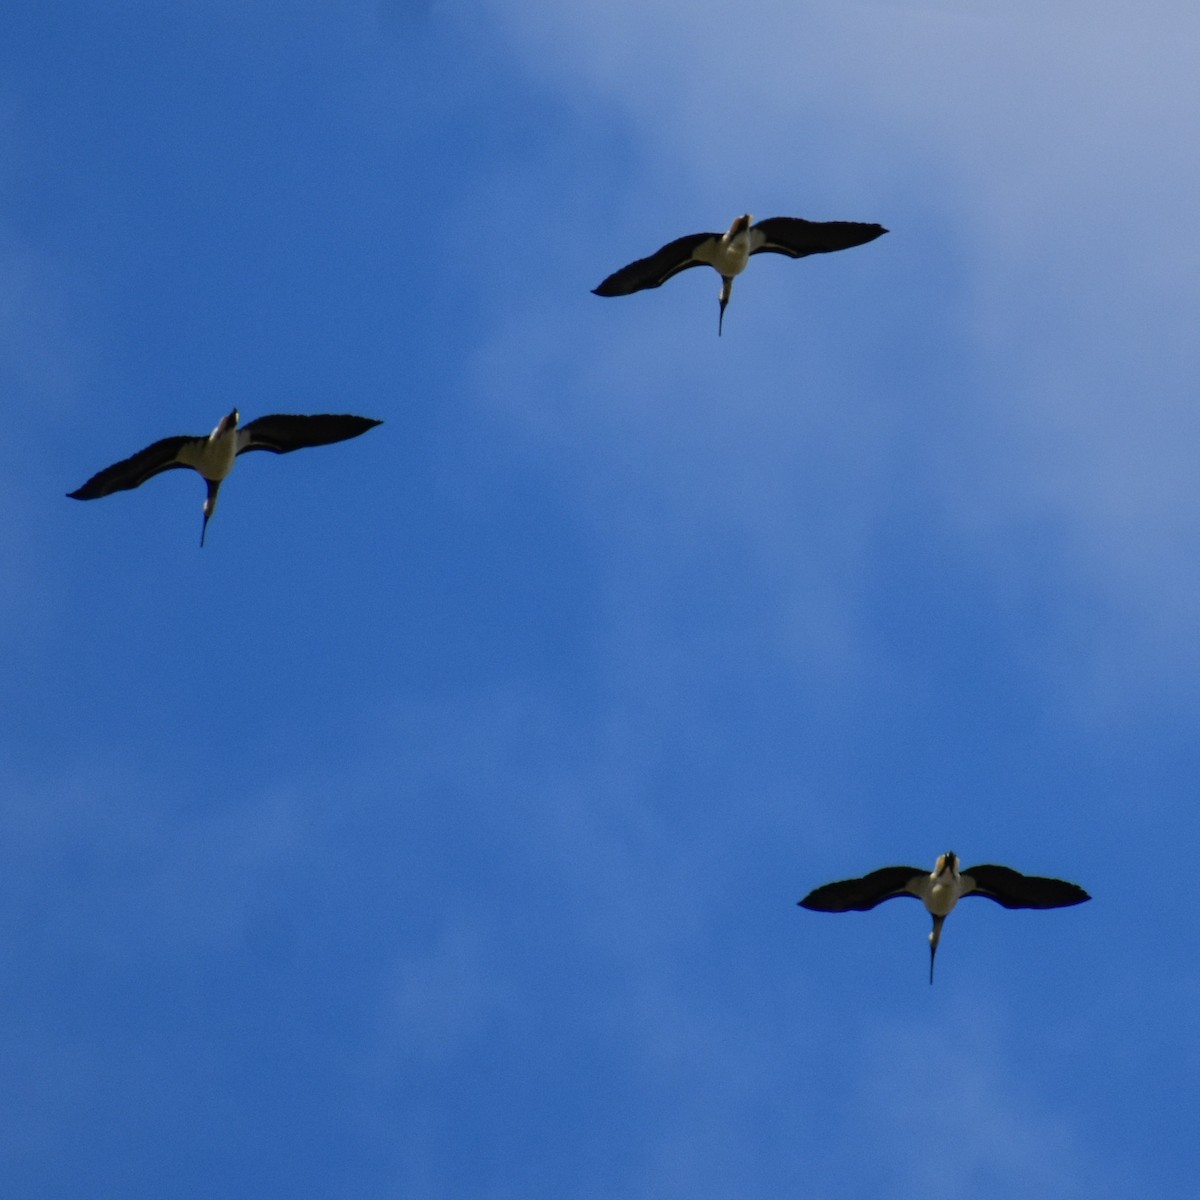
(728, 253)
(213, 456)
(942, 889)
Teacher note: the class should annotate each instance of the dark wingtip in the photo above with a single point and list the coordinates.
(866, 231)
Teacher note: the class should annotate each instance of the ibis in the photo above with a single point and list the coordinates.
(213, 456)
(727, 253)
(941, 889)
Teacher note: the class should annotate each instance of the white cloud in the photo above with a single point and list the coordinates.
(943, 1099)
(441, 1000)
(1039, 270)
(127, 869)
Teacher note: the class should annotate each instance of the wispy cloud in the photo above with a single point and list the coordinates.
(1026, 161)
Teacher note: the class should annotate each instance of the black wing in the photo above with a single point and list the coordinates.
(858, 895)
(797, 237)
(655, 270)
(133, 471)
(1014, 890)
(281, 433)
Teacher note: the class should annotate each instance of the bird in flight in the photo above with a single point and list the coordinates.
(213, 456)
(942, 889)
(727, 253)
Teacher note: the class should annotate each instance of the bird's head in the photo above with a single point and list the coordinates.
(740, 225)
(947, 862)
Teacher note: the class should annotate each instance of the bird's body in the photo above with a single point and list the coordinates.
(728, 253)
(941, 889)
(213, 456)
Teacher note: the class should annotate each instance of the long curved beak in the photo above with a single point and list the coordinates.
(726, 290)
(935, 936)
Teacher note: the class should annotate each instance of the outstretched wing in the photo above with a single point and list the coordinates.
(1014, 890)
(281, 433)
(133, 471)
(858, 895)
(655, 270)
(797, 237)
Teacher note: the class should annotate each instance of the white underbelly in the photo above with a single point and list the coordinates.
(728, 258)
(941, 899)
(213, 458)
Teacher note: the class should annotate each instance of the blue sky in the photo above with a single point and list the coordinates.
(436, 831)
